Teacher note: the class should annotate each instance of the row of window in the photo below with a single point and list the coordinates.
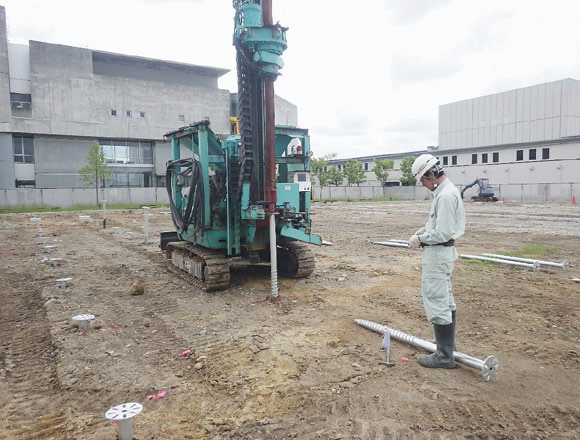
(485, 158)
(116, 151)
(495, 156)
(121, 179)
(128, 113)
(532, 154)
(120, 151)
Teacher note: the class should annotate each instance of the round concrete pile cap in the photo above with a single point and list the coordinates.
(124, 411)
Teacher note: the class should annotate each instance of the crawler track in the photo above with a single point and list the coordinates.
(295, 259)
(215, 267)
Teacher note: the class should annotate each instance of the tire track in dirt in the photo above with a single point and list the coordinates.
(385, 420)
(29, 404)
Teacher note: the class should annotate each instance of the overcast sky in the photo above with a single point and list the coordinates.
(368, 77)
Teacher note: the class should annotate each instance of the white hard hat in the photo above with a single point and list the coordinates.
(423, 164)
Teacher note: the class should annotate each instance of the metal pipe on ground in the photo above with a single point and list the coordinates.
(391, 243)
(535, 266)
(489, 367)
(563, 265)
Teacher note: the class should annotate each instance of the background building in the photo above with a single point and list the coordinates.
(525, 137)
(56, 100)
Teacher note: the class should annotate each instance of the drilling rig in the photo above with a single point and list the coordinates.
(245, 196)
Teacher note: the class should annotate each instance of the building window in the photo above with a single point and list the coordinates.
(141, 114)
(519, 154)
(484, 158)
(366, 166)
(119, 151)
(181, 118)
(474, 158)
(23, 149)
(21, 101)
(545, 153)
(113, 112)
(496, 157)
(128, 113)
(532, 154)
(453, 160)
(445, 160)
(130, 179)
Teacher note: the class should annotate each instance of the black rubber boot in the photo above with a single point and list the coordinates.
(443, 356)
(452, 322)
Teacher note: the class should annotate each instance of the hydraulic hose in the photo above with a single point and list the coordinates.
(193, 213)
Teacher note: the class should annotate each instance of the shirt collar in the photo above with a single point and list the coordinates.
(437, 190)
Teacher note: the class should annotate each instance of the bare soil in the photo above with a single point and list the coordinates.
(300, 368)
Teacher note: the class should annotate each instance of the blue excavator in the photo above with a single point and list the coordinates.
(245, 196)
(485, 194)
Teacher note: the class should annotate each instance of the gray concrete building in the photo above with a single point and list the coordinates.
(56, 100)
(528, 136)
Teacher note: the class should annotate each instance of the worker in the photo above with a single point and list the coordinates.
(446, 224)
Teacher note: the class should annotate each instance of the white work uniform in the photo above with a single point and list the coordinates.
(446, 222)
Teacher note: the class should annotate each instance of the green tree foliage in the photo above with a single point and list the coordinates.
(317, 166)
(354, 173)
(381, 167)
(335, 176)
(407, 175)
(95, 171)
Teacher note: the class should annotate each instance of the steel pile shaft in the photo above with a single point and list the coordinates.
(534, 266)
(489, 367)
(391, 243)
(564, 264)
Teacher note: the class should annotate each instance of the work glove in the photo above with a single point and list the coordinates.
(414, 242)
(420, 231)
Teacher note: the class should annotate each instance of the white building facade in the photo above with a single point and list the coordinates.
(525, 137)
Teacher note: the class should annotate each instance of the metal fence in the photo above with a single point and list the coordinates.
(516, 192)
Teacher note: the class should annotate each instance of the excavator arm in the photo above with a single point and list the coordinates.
(469, 185)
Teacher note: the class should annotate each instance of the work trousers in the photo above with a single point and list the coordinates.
(436, 268)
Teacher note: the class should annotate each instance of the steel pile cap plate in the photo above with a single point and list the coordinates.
(124, 411)
(85, 317)
(490, 369)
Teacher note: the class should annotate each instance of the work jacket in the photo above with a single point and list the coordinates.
(446, 222)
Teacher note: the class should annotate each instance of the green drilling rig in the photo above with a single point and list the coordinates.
(246, 196)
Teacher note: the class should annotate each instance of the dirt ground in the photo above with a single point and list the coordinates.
(302, 369)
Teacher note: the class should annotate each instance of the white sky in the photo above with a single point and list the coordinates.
(367, 76)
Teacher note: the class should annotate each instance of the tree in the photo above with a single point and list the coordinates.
(317, 167)
(381, 167)
(354, 173)
(95, 169)
(335, 176)
(407, 178)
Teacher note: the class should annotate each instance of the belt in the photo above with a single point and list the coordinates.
(446, 244)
